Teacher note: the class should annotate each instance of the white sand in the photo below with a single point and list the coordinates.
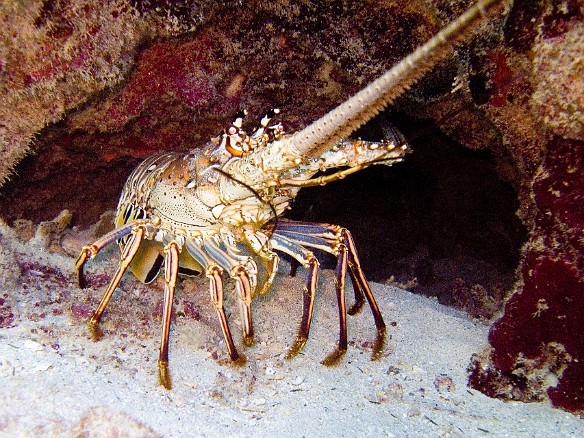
(109, 388)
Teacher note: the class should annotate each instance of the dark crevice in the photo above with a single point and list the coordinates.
(443, 216)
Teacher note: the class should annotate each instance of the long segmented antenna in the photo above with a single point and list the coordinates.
(321, 135)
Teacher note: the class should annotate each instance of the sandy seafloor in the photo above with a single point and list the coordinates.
(55, 381)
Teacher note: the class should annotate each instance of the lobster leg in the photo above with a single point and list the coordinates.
(259, 243)
(362, 284)
(170, 274)
(244, 291)
(340, 275)
(214, 274)
(326, 238)
(333, 239)
(307, 259)
(272, 263)
(90, 251)
(243, 285)
(216, 286)
(359, 278)
(309, 293)
(128, 253)
(359, 296)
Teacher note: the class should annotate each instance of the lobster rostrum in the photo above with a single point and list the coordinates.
(216, 210)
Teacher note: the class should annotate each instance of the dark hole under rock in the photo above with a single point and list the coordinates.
(443, 216)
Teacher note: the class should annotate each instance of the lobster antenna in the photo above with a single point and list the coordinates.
(339, 123)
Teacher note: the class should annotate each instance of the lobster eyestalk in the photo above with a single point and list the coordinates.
(320, 136)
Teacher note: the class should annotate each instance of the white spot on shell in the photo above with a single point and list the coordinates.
(217, 210)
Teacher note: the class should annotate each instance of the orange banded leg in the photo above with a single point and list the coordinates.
(214, 274)
(340, 275)
(170, 274)
(128, 253)
(216, 287)
(243, 286)
(332, 238)
(359, 277)
(90, 251)
(359, 296)
(308, 293)
(244, 291)
(307, 259)
(260, 244)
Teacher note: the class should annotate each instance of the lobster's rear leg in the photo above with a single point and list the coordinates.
(170, 274)
(340, 275)
(339, 242)
(307, 259)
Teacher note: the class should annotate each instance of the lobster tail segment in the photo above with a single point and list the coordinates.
(339, 123)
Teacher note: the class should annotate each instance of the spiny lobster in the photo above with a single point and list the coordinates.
(215, 210)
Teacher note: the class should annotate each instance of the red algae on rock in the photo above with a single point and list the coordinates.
(537, 346)
(6, 311)
(558, 97)
(541, 330)
(549, 310)
(57, 55)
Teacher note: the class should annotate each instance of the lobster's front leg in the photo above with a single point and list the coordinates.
(214, 274)
(244, 285)
(90, 251)
(216, 288)
(260, 244)
(170, 274)
(128, 253)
